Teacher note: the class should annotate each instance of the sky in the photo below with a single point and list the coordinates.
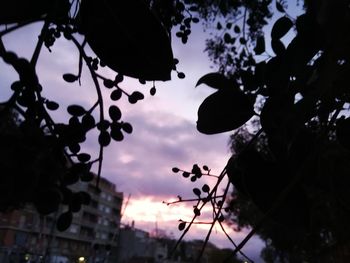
(164, 136)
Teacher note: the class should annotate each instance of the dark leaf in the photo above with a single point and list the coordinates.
(108, 83)
(70, 77)
(64, 221)
(225, 110)
(51, 105)
(281, 27)
(74, 148)
(186, 174)
(221, 218)
(196, 170)
(227, 38)
(237, 29)
(134, 25)
(182, 226)
(127, 127)
(215, 80)
(76, 110)
(181, 75)
(196, 211)
(114, 113)
(103, 125)
(84, 157)
(104, 138)
(278, 47)
(88, 122)
(152, 91)
(205, 168)
(193, 178)
(135, 97)
(116, 94)
(205, 188)
(196, 191)
(116, 134)
(175, 170)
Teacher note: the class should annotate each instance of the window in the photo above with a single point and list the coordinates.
(74, 228)
(107, 210)
(103, 235)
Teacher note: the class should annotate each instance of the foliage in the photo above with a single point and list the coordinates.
(298, 99)
(40, 157)
(290, 175)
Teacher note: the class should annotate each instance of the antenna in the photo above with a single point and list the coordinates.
(125, 206)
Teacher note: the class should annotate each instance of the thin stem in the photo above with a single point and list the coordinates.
(204, 199)
(39, 44)
(19, 25)
(214, 221)
(100, 100)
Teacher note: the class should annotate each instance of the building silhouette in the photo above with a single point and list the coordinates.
(26, 236)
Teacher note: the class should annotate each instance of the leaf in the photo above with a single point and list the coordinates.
(64, 221)
(280, 7)
(76, 110)
(196, 211)
(223, 111)
(182, 226)
(278, 47)
(70, 77)
(51, 105)
(104, 138)
(116, 94)
(114, 113)
(186, 174)
(215, 80)
(237, 29)
(281, 27)
(127, 127)
(175, 170)
(205, 188)
(128, 38)
(196, 191)
(84, 157)
(260, 45)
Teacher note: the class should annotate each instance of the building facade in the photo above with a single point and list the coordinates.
(26, 236)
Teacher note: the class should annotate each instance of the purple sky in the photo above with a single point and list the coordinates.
(164, 132)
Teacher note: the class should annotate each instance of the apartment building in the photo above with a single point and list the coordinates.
(26, 236)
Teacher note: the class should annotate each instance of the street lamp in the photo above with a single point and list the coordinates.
(81, 260)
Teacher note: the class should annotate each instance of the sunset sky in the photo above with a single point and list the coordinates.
(164, 134)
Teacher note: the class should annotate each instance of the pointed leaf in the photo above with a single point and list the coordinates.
(281, 27)
(215, 80)
(128, 38)
(223, 111)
